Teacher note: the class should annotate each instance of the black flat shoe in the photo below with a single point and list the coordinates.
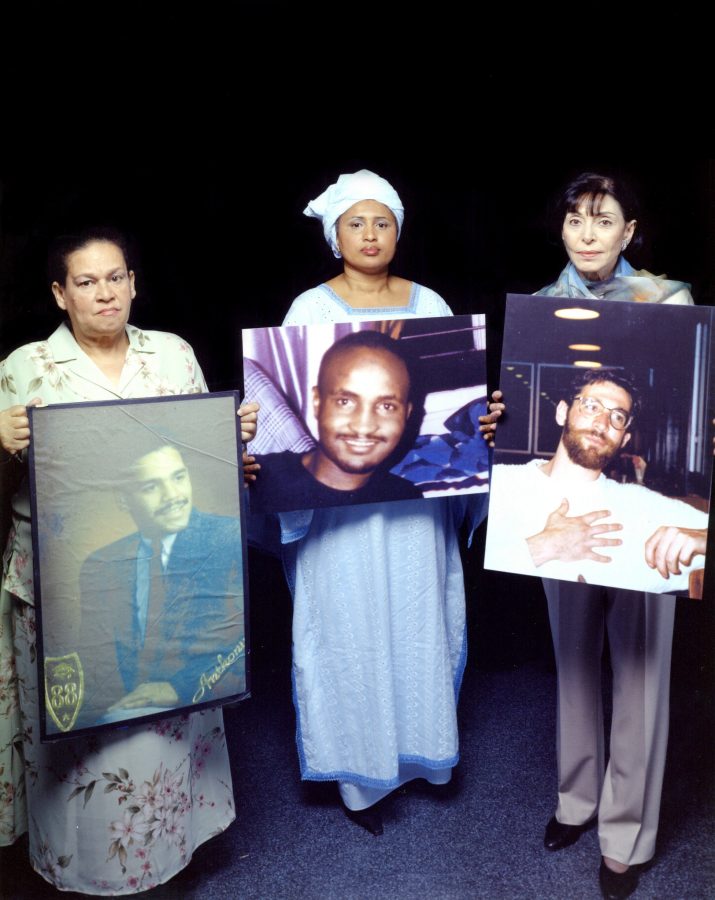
(369, 819)
(617, 885)
(557, 836)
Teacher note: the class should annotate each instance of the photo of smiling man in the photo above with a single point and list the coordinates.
(162, 608)
(362, 406)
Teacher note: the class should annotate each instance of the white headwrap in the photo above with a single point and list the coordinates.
(346, 192)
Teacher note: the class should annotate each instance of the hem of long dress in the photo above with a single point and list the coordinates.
(97, 890)
(308, 774)
(389, 783)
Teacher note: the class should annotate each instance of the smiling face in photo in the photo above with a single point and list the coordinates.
(160, 497)
(361, 406)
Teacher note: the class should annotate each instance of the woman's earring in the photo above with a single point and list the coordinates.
(624, 244)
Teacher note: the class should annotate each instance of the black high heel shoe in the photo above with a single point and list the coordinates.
(369, 819)
(617, 885)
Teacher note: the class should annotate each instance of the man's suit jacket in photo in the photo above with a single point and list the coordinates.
(194, 634)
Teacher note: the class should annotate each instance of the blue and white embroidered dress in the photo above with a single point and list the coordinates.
(379, 638)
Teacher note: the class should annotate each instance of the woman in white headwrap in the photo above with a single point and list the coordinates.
(362, 218)
(379, 620)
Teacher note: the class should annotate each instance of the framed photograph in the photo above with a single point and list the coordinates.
(139, 552)
(367, 411)
(603, 466)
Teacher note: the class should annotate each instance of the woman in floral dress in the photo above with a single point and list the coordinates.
(124, 811)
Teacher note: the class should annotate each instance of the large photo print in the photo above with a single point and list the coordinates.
(139, 552)
(367, 411)
(604, 460)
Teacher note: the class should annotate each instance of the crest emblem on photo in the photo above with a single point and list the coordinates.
(64, 689)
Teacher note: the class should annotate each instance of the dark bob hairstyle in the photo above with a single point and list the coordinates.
(591, 188)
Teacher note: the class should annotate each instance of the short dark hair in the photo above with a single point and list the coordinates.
(126, 469)
(370, 340)
(593, 188)
(623, 379)
(65, 244)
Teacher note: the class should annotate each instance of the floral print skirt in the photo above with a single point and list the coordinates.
(117, 813)
(13, 809)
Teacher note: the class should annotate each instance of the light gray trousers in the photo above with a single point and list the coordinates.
(626, 796)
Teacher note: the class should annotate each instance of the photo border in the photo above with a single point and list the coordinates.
(521, 346)
(231, 398)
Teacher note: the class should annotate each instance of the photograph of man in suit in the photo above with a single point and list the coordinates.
(362, 404)
(162, 609)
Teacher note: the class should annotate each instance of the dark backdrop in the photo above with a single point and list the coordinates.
(213, 198)
(206, 136)
(222, 243)
(206, 131)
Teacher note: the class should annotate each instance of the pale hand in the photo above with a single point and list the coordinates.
(15, 427)
(249, 421)
(572, 538)
(669, 548)
(488, 423)
(150, 693)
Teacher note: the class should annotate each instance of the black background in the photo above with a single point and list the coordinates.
(214, 203)
(205, 133)
(222, 243)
